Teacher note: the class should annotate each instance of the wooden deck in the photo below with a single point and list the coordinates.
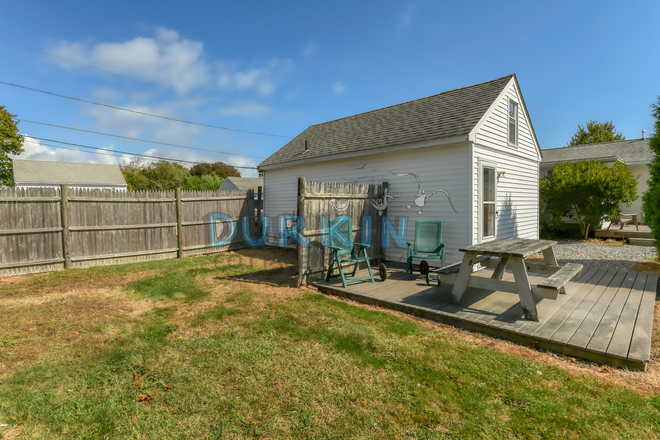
(605, 316)
(628, 231)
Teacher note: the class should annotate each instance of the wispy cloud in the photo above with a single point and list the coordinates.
(310, 48)
(166, 59)
(338, 87)
(260, 79)
(406, 17)
(245, 110)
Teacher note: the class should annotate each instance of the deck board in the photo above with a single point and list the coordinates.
(640, 346)
(606, 316)
(620, 343)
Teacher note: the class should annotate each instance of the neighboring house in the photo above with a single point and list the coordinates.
(635, 152)
(475, 143)
(241, 183)
(45, 174)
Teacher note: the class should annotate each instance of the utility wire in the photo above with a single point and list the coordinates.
(122, 152)
(140, 140)
(134, 79)
(144, 113)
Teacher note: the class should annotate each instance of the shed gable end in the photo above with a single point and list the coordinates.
(493, 129)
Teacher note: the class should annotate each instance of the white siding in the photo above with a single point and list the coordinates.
(445, 167)
(518, 189)
(642, 187)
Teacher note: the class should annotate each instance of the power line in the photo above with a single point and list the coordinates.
(144, 113)
(135, 79)
(122, 152)
(140, 140)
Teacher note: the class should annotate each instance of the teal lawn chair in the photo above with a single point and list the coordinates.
(428, 245)
(344, 250)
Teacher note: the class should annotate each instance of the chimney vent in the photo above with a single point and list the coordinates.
(643, 134)
(306, 148)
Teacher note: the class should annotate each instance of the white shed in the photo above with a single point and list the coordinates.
(468, 157)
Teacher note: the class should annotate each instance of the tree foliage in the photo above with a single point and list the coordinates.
(651, 199)
(220, 169)
(10, 143)
(165, 175)
(588, 191)
(595, 133)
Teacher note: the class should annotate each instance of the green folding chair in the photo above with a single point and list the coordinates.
(428, 245)
(344, 250)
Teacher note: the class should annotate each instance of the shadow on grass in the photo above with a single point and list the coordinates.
(180, 285)
(284, 276)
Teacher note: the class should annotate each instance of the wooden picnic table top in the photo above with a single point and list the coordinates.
(510, 247)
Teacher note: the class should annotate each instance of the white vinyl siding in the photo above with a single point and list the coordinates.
(445, 167)
(518, 188)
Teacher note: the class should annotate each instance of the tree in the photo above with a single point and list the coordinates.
(651, 199)
(588, 191)
(596, 133)
(220, 169)
(165, 175)
(10, 143)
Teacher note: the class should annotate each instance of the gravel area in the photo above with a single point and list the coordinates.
(604, 256)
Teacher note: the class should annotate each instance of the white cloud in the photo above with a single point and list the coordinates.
(338, 87)
(245, 109)
(258, 78)
(167, 59)
(35, 150)
(310, 48)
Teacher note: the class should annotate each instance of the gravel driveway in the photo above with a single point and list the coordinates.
(603, 255)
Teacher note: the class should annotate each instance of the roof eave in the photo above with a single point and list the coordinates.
(369, 152)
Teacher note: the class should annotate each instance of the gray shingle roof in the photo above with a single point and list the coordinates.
(451, 113)
(241, 183)
(633, 150)
(66, 173)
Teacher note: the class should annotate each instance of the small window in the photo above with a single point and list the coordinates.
(513, 123)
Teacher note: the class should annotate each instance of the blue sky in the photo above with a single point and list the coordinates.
(277, 67)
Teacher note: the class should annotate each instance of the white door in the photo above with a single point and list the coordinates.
(487, 201)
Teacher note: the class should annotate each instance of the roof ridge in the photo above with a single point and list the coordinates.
(511, 75)
(596, 143)
(57, 161)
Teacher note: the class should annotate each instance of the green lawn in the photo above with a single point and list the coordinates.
(194, 349)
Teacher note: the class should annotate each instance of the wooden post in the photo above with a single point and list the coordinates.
(179, 222)
(301, 213)
(386, 187)
(259, 225)
(64, 216)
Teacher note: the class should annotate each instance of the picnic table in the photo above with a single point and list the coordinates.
(511, 253)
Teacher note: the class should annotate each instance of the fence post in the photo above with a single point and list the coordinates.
(385, 188)
(64, 219)
(259, 211)
(179, 222)
(300, 248)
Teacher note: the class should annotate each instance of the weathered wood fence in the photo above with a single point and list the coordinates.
(48, 229)
(317, 200)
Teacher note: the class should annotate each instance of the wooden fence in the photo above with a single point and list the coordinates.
(48, 229)
(317, 200)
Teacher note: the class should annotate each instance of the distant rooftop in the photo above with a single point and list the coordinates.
(37, 172)
(241, 183)
(628, 151)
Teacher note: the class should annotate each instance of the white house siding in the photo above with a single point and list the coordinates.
(445, 167)
(518, 189)
(642, 187)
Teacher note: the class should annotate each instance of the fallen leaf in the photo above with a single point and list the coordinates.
(167, 387)
(570, 359)
(606, 369)
(99, 346)
(144, 398)
(373, 354)
(180, 422)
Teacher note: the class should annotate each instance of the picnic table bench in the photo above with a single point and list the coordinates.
(511, 253)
